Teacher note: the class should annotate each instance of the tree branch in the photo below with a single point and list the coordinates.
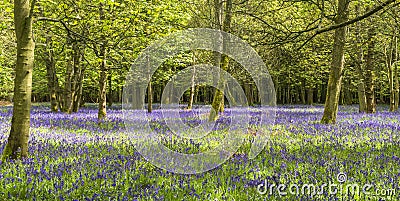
(352, 21)
(359, 18)
(32, 8)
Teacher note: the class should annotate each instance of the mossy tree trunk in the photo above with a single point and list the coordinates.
(17, 145)
(335, 75)
(218, 100)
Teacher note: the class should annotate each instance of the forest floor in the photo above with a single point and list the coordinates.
(72, 157)
(5, 103)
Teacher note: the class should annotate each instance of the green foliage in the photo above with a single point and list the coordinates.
(7, 50)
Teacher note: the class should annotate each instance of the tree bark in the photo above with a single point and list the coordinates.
(370, 75)
(218, 9)
(303, 92)
(78, 89)
(17, 145)
(218, 101)
(75, 77)
(396, 77)
(68, 86)
(348, 99)
(102, 113)
(110, 91)
(362, 100)
(335, 75)
(388, 56)
(391, 59)
(52, 81)
(193, 85)
(149, 90)
(310, 96)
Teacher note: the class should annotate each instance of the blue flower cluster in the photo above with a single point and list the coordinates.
(73, 157)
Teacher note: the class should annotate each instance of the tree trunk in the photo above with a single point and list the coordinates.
(102, 113)
(370, 75)
(79, 88)
(348, 99)
(218, 9)
(288, 97)
(397, 89)
(391, 59)
(303, 92)
(52, 81)
(193, 85)
(218, 101)
(68, 87)
(362, 100)
(149, 98)
(76, 75)
(17, 145)
(396, 77)
(335, 75)
(149, 90)
(110, 91)
(310, 96)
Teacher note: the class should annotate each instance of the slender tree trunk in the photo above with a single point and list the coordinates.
(149, 98)
(335, 75)
(362, 100)
(388, 56)
(68, 88)
(102, 113)
(110, 91)
(303, 92)
(370, 75)
(310, 96)
(149, 90)
(79, 89)
(391, 59)
(397, 89)
(76, 75)
(193, 86)
(288, 97)
(348, 99)
(396, 77)
(17, 145)
(247, 90)
(52, 81)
